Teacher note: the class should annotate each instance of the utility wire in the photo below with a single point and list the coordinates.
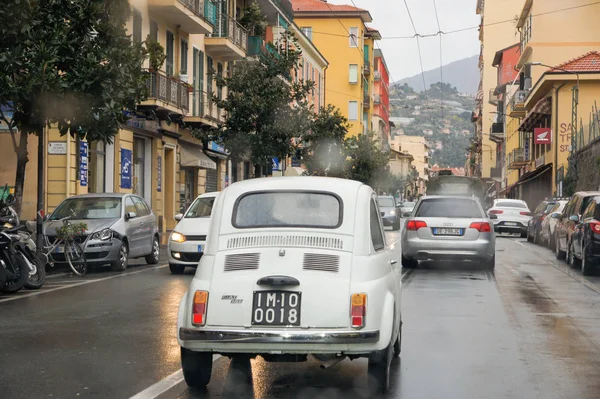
(419, 49)
(437, 19)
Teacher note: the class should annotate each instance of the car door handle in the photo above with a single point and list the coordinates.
(393, 261)
(278, 280)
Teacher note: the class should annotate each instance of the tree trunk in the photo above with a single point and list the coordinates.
(22, 159)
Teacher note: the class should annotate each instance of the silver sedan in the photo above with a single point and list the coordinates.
(448, 228)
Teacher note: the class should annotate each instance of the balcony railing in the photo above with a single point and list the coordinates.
(517, 102)
(517, 158)
(367, 68)
(377, 75)
(169, 90)
(205, 9)
(229, 28)
(494, 98)
(205, 107)
(366, 100)
(376, 99)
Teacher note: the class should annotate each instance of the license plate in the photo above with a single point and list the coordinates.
(59, 250)
(447, 232)
(199, 248)
(510, 223)
(276, 308)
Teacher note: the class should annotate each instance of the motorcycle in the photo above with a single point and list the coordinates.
(19, 249)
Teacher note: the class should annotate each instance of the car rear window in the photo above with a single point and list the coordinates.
(288, 209)
(510, 204)
(448, 208)
(386, 202)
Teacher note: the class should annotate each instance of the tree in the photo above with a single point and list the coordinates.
(323, 150)
(366, 161)
(70, 64)
(265, 108)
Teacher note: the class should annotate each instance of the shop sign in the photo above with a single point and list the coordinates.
(542, 135)
(216, 147)
(276, 164)
(159, 173)
(83, 163)
(126, 168)
(57, 148)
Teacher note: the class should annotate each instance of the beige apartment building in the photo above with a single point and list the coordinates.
(420, 150)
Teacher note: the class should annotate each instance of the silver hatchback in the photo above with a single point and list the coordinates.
(448, 228)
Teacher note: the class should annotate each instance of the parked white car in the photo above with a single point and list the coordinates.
(294, 266)
(188, 239)
(513, 216)
(549, 223)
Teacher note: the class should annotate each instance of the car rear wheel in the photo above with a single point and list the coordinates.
(409, 263)
(379, 370)
(197, 368)
(586, 264)
(176, 269)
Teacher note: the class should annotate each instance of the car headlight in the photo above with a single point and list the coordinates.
(177, 237)
(392, 212)
(103, 235)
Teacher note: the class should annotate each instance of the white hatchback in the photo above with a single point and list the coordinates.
(513, 216)
(188, 239)
(294, 266)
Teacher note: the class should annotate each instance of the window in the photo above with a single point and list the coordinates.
(170, 53)
(386, 202)
(589, 211)
(510, 204)
(89, 208)
(130, 206)
(353, 36)
(153, 31)
(352, 110)
(201, 208)
(288, 209)
(307, 30)
(209, 74)
(219, 87)
(141, 209)
(353, 73)
(449, 208)
(137, 26)
(184, 57)
(584, 203)
(375, 224)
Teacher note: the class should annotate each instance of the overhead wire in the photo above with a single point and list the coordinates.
(419, 49)
(437, 19)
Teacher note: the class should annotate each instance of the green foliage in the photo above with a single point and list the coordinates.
(156, 53)
(71, 230)
(254, 20)
(366, 161)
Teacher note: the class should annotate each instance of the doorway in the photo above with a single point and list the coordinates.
(169, 188)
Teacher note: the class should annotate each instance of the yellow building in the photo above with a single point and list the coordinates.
(341, 35)
(420, 150)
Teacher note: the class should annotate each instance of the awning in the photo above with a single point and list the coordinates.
(294, 171)
(542, 109)
(194, 157)
(534, 173)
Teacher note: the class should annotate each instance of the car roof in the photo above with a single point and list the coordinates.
(100, 195)
(427, 197)
(385, 196)
(209, 195)
(345, 188)
(508, 200)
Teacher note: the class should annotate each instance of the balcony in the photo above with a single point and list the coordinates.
(496, 172)
(516, 159)
(193, 16)
(204, 110)
(517, 103)
(366, 100)
(497, 131)
(273, 8)
(377, 99)
(494, 98)
(229, 40)
(366, 68)
(167, 94)
(377, 75)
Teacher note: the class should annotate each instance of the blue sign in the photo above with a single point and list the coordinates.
(159, 173)
(7, 110)
(217, 147)
(126, 166)
(83, 163)
(276, 165)
(526, 149)
(296, 162)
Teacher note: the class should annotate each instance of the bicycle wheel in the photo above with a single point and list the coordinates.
(76, 257)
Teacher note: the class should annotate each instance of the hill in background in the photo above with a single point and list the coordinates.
(462, 74)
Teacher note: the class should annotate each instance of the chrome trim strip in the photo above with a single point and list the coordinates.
(269, 337)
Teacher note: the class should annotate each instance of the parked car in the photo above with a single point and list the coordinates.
(406, 208)
(448, 228)
(549, 223)
(390, 211)
(119, 227)
(188, 239)
(513, 216)
(534, 227)
(294, 266)
(568, 221)
(585, 250)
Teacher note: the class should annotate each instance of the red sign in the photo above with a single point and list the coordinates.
(542, 135)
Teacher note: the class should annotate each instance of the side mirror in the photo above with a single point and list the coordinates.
(574, 218)
(179, 216)
(130, 215)
(493, 216)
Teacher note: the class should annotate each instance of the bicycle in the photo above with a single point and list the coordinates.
(65, 243)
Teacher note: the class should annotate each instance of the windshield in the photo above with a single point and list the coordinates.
(289, 209)
(89, 208)
(510, 204)
(449, 208)
(201, 208)
(408, 205)
(386, 202)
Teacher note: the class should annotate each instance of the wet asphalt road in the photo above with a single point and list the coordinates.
(531, 329)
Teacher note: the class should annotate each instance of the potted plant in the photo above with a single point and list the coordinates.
(156, 54)
(254, 21)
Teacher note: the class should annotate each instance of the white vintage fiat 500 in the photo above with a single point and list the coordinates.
(295, 266)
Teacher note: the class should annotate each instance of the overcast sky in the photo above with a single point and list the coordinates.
(401, 55)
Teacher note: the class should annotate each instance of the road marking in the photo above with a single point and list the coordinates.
(519, 242)
(62, 287)
(162, 386)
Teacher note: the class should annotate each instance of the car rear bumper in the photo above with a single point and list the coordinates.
(503, 226)
(422, 249)
(281, 337)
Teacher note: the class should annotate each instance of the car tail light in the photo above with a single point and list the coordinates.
(542, 218)
(415, 224)
(595, 226)
(358, 310)
(525, 213)
(496, 211)
(482, 227)
(199, 308)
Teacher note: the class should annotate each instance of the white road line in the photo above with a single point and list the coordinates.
(162, 386)
(519, 242)
(62, 287)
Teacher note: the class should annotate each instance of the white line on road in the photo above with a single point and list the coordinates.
(162, 386)
(519, 242)
(14, 298)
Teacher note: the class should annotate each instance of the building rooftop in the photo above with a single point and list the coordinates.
(323, 7)
(589, 62)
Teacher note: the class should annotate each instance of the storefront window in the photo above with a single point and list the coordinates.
(139, 152)
(97, 167)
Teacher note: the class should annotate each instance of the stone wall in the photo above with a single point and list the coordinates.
(588, 167)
